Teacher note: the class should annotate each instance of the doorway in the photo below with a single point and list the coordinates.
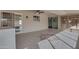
(53, 22)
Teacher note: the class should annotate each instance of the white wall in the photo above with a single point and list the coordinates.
(29, 25)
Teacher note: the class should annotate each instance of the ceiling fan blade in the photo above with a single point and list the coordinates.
(38, 11)
(41, 11)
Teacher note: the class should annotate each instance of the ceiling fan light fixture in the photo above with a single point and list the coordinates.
(37, 13)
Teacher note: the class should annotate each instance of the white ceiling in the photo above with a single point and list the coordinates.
(57, 12)
(63, 12)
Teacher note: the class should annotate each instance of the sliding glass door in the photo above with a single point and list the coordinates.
(53, 22)
(11, 20)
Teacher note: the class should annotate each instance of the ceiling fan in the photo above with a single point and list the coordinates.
(39, 12)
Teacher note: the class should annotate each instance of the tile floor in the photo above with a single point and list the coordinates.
(30, 40)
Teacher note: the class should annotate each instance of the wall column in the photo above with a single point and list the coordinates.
(59, 22)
